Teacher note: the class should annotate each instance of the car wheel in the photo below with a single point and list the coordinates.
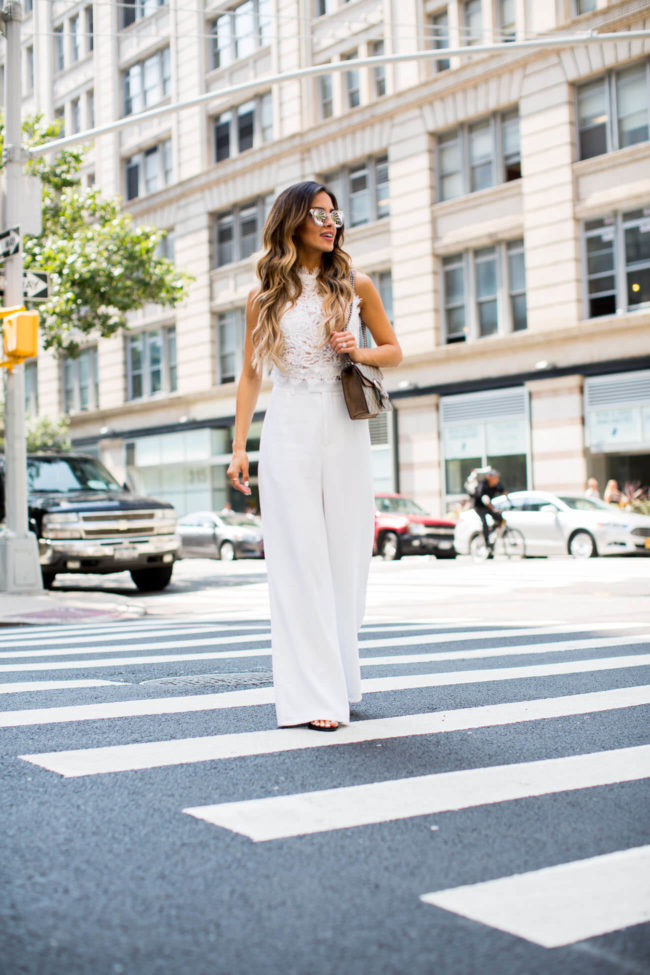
(478, 549)
(389, 547)
(227, 552)
(152, 580)
(582, 545)
(48, 579)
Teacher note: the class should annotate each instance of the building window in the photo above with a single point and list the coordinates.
(147, 82)
(149, 171)
(28, 6)
(31, 388)
(613, 111)
(352, 82)
(81, 382)
(484, 292)
(59, 56)
(59, 115)
(438, 39)
(617, 255)
(244, 127)
(75, 116)
(239, 32)
(167, 245)
(230, 342)
(133, 10)
(376, 49)
(472, 20)
(584, 6)
(90, 108)
(362, 190)
(384, 282)
(151, 363)
(29, 68)
(90, 29)
(75, 38)
(325, 96)
(238, 232)
(474, 157)
(323, 7)
(507, 20)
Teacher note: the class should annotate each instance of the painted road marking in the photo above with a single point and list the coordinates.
(281, 817)
(157, 754)
(559, 905)
(27, 686)
(263, 695)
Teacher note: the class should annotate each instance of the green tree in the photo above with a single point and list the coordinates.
(101, 265)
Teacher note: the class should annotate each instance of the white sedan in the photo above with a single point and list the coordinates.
(557, 524)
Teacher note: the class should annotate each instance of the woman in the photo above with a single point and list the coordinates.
(315, 472)
(612, 494)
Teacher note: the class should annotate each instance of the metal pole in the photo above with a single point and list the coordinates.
(19, 562)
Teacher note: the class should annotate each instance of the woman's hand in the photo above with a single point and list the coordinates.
(237, 472)
(343, 343)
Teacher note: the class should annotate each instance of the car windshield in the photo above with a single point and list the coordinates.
(399, 506)
(237, 519)
(65, 475)
(584, 504)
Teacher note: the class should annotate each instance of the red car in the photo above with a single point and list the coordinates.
(402, 527)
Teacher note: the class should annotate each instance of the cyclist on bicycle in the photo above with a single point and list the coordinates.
(488, 488)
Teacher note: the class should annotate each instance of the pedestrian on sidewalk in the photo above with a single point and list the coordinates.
(315, 473)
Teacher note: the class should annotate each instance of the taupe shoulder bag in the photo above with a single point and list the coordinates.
(363, 386)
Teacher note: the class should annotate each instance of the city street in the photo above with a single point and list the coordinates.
(486, 811)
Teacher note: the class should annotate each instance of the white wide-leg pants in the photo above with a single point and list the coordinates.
(317, 506)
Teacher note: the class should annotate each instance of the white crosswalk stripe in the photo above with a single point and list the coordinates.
(597, 670)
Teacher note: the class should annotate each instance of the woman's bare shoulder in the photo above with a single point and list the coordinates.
(363, 284)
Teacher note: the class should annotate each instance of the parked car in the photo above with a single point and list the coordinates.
(226, 535)
(560, 524)
(85, 521)
(402, 527)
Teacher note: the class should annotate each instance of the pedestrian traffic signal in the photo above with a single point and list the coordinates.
(20, 336)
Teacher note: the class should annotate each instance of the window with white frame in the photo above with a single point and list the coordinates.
(147, 82)
(584, 6)
(75, 115)
(352, 82)
(74, 26)
(31, 388)
(244, 127)
(151, 363)
(81, 382)
(507, 20)
(29, 68)
(472, 22)
(484, 292)
(479, 155)
(238, 232)
(149, 171)
(133, 10)
(613, 111)
(361, 190)
(59, 48)
(384, 282)
(438, 37)
(325, 96)
(90, 108)
(376, 49)
(230, 343)
(89, 18)
(59, 115)
(166, 245)
(238, 32)
(617, 259)
(323, 7)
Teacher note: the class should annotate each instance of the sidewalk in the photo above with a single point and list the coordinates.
(46, 608)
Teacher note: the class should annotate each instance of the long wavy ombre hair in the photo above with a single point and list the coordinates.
(278, 267)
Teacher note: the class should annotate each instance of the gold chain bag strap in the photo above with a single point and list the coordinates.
(363, 386)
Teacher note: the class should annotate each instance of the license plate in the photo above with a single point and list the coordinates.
(647, 543)
(125, 552)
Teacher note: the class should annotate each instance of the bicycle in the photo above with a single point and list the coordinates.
(504, 540)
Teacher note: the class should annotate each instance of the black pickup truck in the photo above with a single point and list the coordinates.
(85, 521)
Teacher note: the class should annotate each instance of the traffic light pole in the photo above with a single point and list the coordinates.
(19, 562)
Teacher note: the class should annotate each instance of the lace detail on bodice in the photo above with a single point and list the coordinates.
(306, 361)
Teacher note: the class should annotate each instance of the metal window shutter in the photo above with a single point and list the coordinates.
(489, 405)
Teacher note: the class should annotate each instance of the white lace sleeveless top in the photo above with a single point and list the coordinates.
(307, 362)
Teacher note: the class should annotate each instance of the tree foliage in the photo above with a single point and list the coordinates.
(43, 433)
(101, 265)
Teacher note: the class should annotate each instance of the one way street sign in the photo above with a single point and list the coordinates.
(35, 285)
(9, 242)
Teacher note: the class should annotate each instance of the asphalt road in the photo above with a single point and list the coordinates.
(498, 737)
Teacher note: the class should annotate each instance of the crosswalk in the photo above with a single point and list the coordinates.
(424, 683)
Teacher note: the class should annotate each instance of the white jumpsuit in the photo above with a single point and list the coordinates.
(317, 507)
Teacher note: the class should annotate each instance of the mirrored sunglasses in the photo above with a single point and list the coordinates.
(320, 216)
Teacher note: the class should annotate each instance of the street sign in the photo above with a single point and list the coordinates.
(35, 285)
(9, 242)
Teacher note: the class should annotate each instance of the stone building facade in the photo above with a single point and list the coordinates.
(500, 200)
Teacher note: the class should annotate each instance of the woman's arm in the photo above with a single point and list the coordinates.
(387, 351)
(247, 392)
